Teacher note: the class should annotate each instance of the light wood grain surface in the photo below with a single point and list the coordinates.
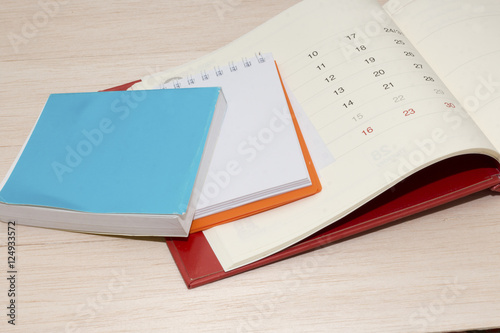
(439, 271)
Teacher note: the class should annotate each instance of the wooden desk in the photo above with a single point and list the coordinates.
(438, 271)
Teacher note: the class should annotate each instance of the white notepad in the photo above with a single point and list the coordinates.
(258, 154)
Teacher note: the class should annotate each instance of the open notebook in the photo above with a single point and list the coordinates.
(390, 96)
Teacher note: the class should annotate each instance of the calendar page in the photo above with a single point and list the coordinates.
(460, 39)
(378, 106)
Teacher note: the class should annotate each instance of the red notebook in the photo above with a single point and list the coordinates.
(438, 184)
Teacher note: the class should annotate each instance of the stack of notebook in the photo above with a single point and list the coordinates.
(375, 113)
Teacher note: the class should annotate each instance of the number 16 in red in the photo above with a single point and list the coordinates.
(367, 131)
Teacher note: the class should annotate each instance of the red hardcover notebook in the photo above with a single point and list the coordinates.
(438, 184)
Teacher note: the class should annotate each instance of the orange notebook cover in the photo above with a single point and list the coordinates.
(268, 203)
(264, 204)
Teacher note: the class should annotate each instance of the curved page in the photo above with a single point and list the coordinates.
(378, 106)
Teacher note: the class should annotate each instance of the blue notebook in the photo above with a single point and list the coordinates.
(124, 162)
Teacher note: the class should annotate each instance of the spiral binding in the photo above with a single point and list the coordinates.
(218, 71)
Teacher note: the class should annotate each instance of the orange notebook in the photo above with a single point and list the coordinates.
(253, 87)
(268, 203)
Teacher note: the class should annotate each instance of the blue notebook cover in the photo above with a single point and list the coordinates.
(114, 152)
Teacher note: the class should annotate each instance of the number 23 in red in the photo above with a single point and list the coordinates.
(408, 112)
